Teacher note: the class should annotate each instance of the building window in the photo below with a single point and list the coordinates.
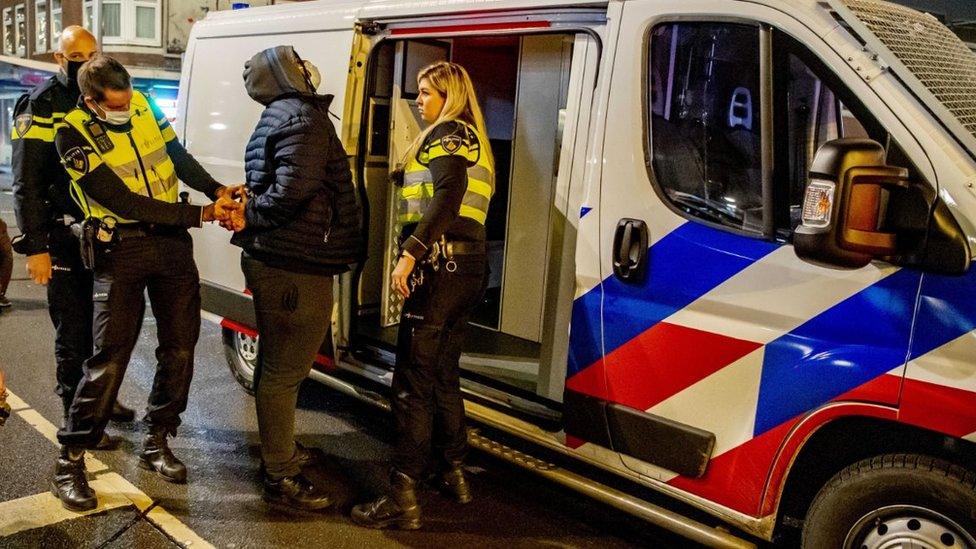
(704, 95)
(136, 22)
(40, 26)
(147, 21)
(111, 19)
(56, 24)
(8, 31)
(89, 15)
(20, 18)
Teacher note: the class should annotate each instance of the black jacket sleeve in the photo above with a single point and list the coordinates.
(188, 170)
(300, 149)
(102, 185)
(33, 153)
(450, 175)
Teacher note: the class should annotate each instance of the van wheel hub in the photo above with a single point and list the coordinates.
(907, 527)
(247, 346)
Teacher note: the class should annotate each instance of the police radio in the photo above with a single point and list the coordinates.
(97, 132)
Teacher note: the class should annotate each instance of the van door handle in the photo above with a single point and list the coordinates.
(630, 250)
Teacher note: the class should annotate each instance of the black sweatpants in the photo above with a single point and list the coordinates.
(293, 312)
(427, 405)
(162, 264)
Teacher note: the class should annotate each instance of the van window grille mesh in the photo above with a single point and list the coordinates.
(936, 56)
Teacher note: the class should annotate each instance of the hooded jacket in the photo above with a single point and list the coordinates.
(303, 214)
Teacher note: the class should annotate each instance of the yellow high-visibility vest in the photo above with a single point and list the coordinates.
(138, 156)
(418, 183)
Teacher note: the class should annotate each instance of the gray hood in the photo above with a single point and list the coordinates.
(273, 73)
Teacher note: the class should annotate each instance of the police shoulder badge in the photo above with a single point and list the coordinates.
(23, 123)
(76, 159)
(451, 143)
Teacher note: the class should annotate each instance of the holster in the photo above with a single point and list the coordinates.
(85, 231)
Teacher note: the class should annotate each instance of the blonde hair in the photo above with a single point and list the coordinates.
(460, 103)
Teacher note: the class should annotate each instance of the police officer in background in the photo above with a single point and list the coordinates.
(448, 181)
(124, 161)
(45, 212)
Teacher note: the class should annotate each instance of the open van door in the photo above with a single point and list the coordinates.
(535, 73)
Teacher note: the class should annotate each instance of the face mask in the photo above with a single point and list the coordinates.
(115, 118)
(71, 74)
(312, 72)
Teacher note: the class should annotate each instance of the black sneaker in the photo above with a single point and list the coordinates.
(295, 491)
(4, 302)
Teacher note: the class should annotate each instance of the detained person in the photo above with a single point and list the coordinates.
(447, 182)
(300, 226)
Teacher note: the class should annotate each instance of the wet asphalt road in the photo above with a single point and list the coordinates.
(219, 443)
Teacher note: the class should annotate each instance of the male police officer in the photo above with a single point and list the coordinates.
(124, 161)
(45, 212)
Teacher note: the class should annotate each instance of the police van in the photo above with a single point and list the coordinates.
(730, 245)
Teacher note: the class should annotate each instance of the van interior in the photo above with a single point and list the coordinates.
(522, 84)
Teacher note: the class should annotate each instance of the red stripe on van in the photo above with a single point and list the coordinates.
(238, 327)
(665, 360)
(471, 28)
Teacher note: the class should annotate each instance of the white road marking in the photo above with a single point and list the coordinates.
(113, 491)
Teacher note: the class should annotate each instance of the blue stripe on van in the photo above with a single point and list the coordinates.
(846, 346)
(947, 311)
(683, 266)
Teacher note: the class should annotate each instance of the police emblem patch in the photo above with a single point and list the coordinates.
(23, 123)
(451, 143)
(76, 159)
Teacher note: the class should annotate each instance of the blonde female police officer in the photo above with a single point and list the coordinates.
(448, 180)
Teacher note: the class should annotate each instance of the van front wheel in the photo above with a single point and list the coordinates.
(241, 351)
(894, 500)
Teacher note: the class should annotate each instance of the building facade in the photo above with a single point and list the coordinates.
(140, 33)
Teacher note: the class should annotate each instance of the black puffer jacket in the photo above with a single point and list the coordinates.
(303, 213)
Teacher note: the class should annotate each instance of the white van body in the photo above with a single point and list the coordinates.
(719, 367)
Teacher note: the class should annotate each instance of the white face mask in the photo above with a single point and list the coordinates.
(115, 118)
(314, 76)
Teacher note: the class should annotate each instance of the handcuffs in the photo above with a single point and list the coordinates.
(438, 251)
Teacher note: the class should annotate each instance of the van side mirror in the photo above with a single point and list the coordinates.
(857, 209)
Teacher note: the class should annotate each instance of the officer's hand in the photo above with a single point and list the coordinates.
(400, 279)
(39, 268)
(233, 192)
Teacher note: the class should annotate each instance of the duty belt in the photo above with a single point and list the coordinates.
(136, 230)
(460, 247)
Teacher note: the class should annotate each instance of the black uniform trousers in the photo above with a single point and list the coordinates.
(70, 305)
(427, 404)
(163, 264)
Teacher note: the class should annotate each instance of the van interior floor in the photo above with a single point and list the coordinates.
(505, 358)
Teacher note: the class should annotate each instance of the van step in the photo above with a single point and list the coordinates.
(656, 515)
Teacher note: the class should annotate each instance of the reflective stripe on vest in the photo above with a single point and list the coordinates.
(418, 183)
(138, 158)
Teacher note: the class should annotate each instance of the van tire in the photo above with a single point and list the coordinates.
(241, 351)
(892, 493)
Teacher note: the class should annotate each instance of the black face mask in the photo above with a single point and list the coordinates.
(72, 73)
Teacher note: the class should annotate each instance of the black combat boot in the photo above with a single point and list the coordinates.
(398, 509)
(107, 442)
(70, 484)
(453, 483)
(156, 456)
(295, 491)
(121, 414)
